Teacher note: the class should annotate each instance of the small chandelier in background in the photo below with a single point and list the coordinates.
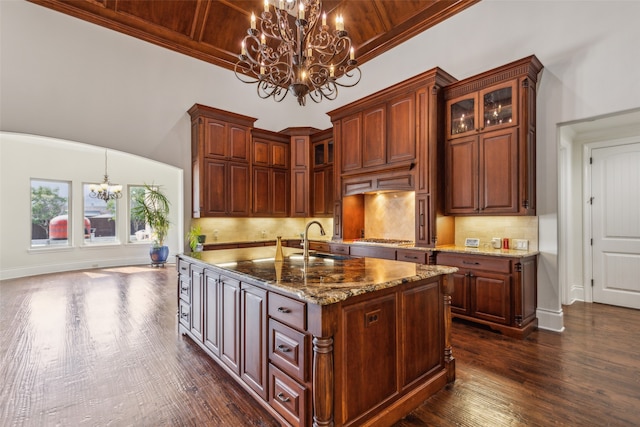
(105, 191)
(306, 58)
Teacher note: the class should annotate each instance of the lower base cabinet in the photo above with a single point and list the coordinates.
(497, 291)
(312, 365)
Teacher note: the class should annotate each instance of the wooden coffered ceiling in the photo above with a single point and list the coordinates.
(211, 30)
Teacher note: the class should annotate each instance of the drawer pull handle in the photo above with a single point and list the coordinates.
(283, 348)
(185, 289)
(283, 310)
(282, 398)
(470, 263)
(410, 257)
(184, 314)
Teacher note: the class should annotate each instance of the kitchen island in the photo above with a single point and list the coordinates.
(326, 341)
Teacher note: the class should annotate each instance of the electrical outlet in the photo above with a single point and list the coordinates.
(520, 244)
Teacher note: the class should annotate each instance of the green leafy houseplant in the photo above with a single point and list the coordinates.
(152, 207)
(194, 237)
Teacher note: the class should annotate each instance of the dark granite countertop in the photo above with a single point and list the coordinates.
(485, 251)
(321, 279)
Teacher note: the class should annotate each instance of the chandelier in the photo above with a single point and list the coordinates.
(105, 191)
(294, 50)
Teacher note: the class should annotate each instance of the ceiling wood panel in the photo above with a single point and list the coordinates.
(211, 30)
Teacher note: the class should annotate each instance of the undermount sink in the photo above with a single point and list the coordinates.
(326, 256)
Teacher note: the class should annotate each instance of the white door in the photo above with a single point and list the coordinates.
(615, 214)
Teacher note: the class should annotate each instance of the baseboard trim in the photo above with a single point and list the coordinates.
(82, 265)
(550, 320)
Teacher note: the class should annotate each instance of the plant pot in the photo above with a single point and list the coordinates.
(159, 254)
(202, 238)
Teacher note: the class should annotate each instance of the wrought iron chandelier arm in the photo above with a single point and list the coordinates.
(293, 52)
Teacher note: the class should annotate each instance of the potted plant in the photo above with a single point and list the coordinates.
(152, 207)
(195, 238)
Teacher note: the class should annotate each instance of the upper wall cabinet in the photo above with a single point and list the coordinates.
(490, 148)
(270, 186)
(322, 178)
(381, 133)
(392, 141)
(220, 154)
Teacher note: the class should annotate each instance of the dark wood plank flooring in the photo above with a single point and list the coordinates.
(100, 347)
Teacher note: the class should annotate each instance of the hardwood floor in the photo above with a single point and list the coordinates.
(100, 347)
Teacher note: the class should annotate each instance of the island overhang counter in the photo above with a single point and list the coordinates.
(323, 341)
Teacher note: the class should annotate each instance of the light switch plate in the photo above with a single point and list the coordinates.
(520, 244)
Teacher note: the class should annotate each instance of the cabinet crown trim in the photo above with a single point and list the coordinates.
(529, 66)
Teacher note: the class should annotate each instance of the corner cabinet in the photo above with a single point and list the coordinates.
(322, 170)
(490, 141)
(497, 291)
(220, 155)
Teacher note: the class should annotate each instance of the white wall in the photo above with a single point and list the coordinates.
(23, 157)
(65, 78)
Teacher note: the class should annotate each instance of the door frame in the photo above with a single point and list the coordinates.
(575, 140)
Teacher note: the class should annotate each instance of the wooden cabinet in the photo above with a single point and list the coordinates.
(184, 294)
(301, 170)
(419, 256)
(483, 174)
(379, 135)
(494, 290)
(270, 186)
(197, 284)
(220, 154)
(253, 337)
(311, 364)
(230, 323)
(226, 192)
(322, 180)
(212, 309)
(490, 146)
(392, 141)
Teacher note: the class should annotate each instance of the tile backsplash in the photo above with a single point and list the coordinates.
(485, 228)
(221, 230)
(390, 215)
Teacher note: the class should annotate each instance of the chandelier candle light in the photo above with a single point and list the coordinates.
(105, 191)
(306, 58)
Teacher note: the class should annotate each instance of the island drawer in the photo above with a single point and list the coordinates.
(289, 398)
(288, 311)
(476, 262)
(185, 288)
(183, 267)
(288, 349)
(185, 314)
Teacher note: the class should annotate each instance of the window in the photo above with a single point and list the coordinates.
(138, 229)
(101, 217)
(50, 223)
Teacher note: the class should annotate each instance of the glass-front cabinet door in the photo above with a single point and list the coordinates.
(499, 106)
(462, 115)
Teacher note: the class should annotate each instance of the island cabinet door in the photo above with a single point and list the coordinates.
(212, 312)
(230, 323)
(196, 301)
(254, 339)
(369, 357)
(421, 332)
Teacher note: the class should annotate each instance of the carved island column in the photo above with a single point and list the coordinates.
(449, 360)
(323, 381)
